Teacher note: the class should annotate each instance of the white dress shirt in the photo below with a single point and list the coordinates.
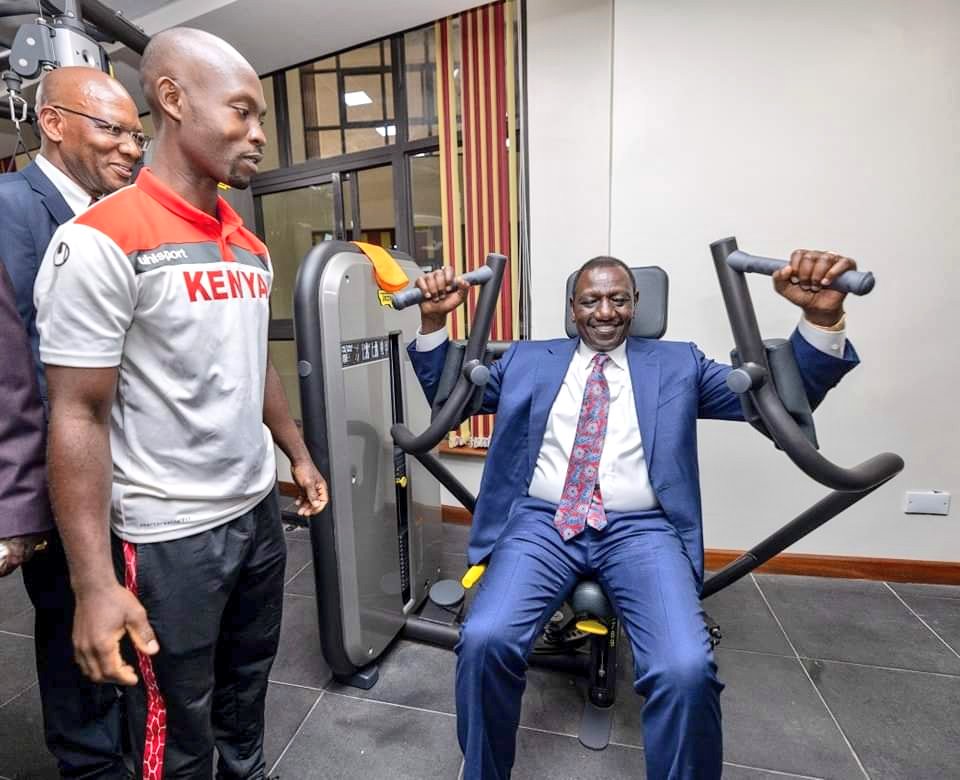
(624, 479)
(77, 198)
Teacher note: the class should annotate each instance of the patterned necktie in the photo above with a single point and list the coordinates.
(581, 503)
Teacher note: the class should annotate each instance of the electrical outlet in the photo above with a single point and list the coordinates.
(926, 502)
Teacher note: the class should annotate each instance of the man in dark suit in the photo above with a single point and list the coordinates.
(592, 471)
(91, 139)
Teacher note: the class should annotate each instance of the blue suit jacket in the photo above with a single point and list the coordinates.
(32, 209)
(674, 385)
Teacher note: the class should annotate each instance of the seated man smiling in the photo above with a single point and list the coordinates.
(592, 471)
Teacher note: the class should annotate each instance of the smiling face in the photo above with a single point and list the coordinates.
(98, 153)
(602, 306)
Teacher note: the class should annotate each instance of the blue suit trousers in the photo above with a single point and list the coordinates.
(640, 562)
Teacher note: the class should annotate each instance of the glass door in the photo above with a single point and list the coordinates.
(369, 206)
(291, 222)
(353, 205)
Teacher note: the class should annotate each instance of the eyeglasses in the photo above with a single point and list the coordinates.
(116, 131)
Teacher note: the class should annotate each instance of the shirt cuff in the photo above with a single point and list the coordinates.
(830, 342)
(430, 341)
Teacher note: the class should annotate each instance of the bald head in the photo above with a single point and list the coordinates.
(207, 106)
(80, 87)
(87, 123)
(194, 59)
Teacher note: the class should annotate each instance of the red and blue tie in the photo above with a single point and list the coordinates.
(581, 503)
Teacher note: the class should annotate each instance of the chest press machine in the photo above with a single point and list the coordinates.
(377, 547)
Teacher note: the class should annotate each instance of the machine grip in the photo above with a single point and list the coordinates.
(402, 300)
(856, 282)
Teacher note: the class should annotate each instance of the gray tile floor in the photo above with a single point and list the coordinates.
(825, 679)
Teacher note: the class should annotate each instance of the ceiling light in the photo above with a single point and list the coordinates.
(360, 98)
(386, 130)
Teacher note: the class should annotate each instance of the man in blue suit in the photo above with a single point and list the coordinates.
(592, 471)
(91, 138)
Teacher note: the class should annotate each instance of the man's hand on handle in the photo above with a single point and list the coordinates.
(442, 292)
(806, 281)
(100, 621)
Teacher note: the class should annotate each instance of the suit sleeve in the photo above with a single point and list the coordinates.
(819, 371)
(428, 367)
(24, 503)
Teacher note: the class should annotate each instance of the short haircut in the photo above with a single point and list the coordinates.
(604, 261)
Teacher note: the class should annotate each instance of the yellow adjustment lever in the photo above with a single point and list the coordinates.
(592, 627)
(473, 574)
(389, 275)
(402, 481)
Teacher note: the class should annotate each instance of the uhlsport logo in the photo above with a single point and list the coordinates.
(162, 256)
(61, 255)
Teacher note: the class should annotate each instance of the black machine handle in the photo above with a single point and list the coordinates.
(452, 411)
(753, 378)
(856, 282)
(402, 300)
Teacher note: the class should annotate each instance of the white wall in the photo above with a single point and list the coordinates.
(659, 126)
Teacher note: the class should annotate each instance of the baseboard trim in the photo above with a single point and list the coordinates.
(841, 566)
(456, 515)
(848, 567)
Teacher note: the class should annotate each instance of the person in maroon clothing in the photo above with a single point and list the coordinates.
(24, 507)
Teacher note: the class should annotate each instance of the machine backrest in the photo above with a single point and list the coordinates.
(650, 314)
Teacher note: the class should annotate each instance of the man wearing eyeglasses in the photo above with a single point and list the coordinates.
(91, 138)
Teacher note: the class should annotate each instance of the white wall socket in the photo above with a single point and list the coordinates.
(926, 502)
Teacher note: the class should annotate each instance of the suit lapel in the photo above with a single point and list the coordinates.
(52, 199)
(645, 376)
(550, 371)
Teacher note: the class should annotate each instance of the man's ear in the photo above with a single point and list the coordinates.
(50, 122)
(170, 97)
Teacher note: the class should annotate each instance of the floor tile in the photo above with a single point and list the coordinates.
(941, 591)
(942, 615)
(347, 739)
(303, 584)
(453, 565)
(299, 658)
(553, 701)
(413, 674)
(21, 623)
(773, 718)
(23, 754)
(17, 667)
(854, 620)
(902, 724)
(745, 619)
(456, 537)
(541, 755)
(737, 772)
(299, 554)
(286, 708)
(13, 596)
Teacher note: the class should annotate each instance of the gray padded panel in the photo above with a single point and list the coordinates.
(650, 314)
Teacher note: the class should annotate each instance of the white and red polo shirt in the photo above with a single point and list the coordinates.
(179, 301)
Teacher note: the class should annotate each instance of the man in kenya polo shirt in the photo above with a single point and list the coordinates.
(153, 309)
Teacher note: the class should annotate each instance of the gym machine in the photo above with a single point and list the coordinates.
(377, 546)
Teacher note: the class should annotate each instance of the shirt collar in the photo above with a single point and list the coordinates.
(228, 222)
(77, 198)
(618, 355)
